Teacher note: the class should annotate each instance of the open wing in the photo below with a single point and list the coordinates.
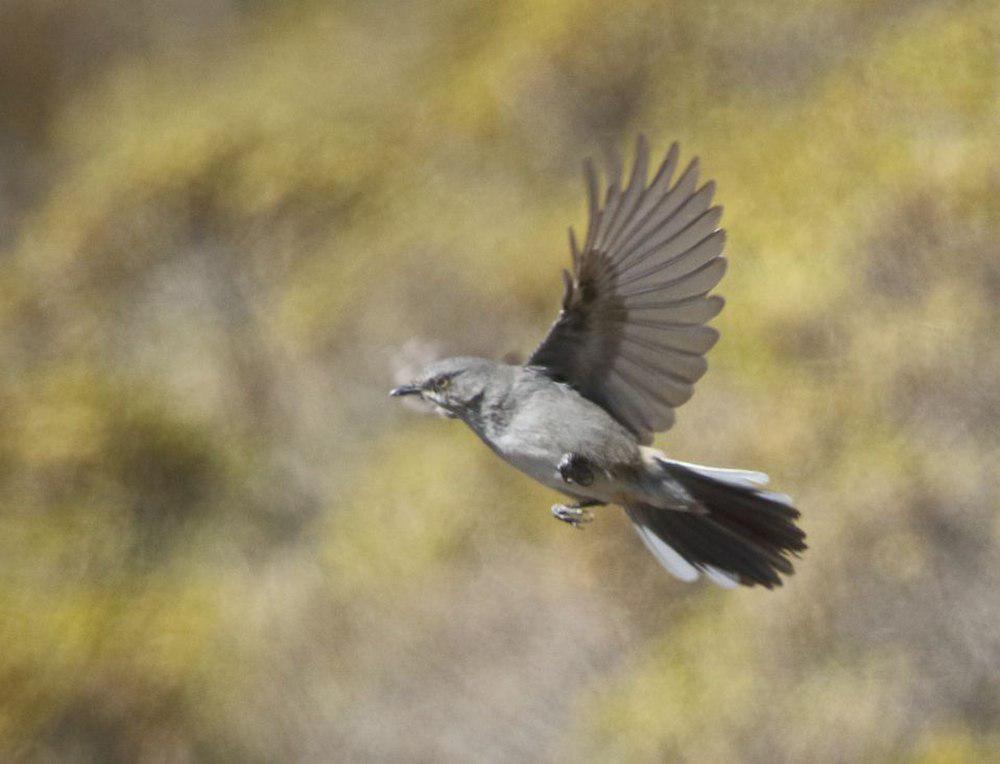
(632, 334)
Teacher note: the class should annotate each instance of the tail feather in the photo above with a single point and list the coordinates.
(667, 556)
(743, 534)
(719, 578)
(742, 478)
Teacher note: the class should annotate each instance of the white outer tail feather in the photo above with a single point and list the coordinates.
(721, 578)
(739, 478)
(674, 564)
(677, 566)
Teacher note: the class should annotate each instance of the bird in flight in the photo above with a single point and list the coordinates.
(625, 351)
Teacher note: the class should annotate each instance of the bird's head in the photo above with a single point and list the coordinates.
(456, 385)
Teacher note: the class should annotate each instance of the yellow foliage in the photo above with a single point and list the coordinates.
(222, 225)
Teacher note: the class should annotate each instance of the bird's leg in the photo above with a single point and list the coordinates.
(575, 469)
(576, 514)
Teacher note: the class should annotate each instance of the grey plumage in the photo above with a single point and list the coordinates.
(631, 335)
(624, 353)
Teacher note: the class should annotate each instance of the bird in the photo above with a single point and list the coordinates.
(625, 351)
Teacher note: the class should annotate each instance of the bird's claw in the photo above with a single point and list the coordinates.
(573, 468)
(574, 515)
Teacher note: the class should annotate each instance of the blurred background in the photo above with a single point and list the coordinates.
(226, 224)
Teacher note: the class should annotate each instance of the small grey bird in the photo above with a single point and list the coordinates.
(625, 351)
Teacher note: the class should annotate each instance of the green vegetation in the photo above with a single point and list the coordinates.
(221, 223)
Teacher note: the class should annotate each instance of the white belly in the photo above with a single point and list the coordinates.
(543, 467)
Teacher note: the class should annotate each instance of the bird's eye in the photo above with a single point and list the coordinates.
(440, 384)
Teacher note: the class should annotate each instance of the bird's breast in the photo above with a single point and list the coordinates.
(542, 464)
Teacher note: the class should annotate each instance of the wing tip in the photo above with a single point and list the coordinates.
(641, 151)
(718, 302)
(590, 181)
(718, 210)
(613, 160)
(693, 169)
(713, 336)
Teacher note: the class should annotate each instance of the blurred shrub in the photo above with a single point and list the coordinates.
(223, 221)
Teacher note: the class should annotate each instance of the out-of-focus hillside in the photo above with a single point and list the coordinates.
(223, 225)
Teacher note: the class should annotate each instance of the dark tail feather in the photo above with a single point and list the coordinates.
(743, 536)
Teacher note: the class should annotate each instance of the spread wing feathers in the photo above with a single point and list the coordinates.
(632, 334)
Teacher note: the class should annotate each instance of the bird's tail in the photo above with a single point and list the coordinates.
(736, 533)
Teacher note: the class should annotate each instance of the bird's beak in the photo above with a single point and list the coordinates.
(404, 390)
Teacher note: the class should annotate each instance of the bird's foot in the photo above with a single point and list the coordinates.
(574, 514)
(574, 468)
